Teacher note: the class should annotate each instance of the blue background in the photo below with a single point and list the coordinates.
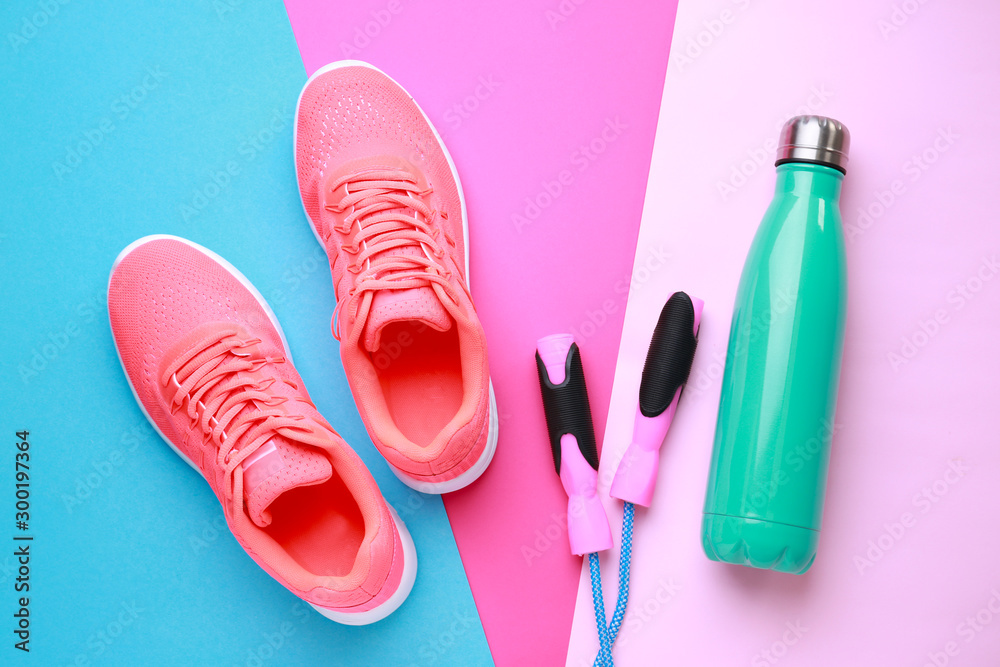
(118, 121)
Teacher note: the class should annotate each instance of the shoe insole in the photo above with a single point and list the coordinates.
(320, 527)
(422, 383)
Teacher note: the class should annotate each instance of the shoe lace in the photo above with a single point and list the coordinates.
(379, 201)
(212, 382)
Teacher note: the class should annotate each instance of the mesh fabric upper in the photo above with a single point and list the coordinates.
(357, 112)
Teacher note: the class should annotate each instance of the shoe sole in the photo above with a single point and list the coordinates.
(409, 551)
(473, 473)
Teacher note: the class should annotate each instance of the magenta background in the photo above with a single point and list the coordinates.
(899, 430)
(558, 86)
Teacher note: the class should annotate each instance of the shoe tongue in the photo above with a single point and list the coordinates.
(414, 305)
(278, 466)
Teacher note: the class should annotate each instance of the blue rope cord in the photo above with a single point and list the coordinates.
(624, 565)
(598, 593)
(607, 634)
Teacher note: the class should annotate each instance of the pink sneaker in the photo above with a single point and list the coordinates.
(383, 198)
(210, 368)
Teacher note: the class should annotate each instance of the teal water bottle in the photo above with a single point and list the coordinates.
(767, 479)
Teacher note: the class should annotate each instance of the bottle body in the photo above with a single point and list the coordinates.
(767, 479)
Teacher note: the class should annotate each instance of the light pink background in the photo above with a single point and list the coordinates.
(547, 86)
(900, 430)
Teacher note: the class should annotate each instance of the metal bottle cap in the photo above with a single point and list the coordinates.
(814, 139)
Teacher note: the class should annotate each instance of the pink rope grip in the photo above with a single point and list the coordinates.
(586, 520)
(635, 479)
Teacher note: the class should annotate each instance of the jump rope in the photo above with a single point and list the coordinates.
(574, 447)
